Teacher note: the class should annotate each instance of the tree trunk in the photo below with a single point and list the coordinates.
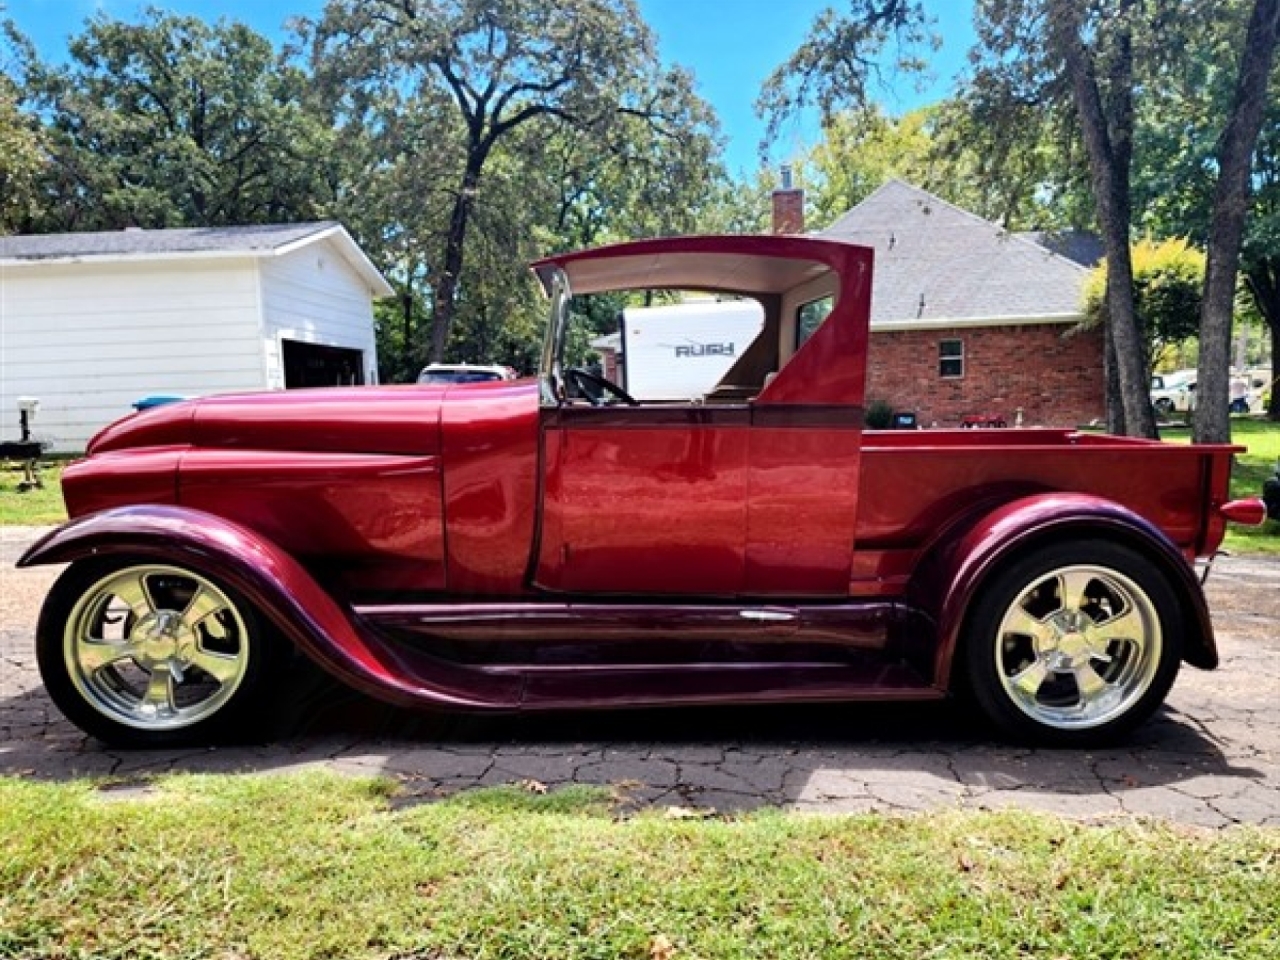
(1226, 225)
(1115, 404)
(446, 289)
(1108, 137)
(406, 316)
(1263, 281)
(1273, 390)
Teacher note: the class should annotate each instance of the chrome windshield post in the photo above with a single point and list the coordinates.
(551, 379)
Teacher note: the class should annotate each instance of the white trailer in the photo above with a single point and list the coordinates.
(681, 351)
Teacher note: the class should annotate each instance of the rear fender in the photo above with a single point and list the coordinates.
(286, 594)
(963, 558)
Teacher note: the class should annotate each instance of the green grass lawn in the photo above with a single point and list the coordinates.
(315, 865)
(40, 506)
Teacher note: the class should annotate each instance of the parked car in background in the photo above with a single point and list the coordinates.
(1173, 392)
(556, 543)
(463, 373)
(1176, 392)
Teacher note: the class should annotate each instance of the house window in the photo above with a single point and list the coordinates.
(951, 358)
(810, 316)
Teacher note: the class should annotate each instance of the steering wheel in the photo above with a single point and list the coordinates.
(594, 387)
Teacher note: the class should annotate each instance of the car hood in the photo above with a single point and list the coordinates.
(390, 419)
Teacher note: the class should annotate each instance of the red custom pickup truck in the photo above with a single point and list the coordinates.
(552, 543)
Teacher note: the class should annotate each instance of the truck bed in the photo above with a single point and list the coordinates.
(915, 482)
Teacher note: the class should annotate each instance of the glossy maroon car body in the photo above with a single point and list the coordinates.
(502, 546)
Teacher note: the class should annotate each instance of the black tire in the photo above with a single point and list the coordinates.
(142, 653)
(1164, 406)
(1074, 672)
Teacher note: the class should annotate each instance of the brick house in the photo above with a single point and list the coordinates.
(968, 319)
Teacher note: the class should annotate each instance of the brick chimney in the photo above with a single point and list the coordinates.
(788, 206)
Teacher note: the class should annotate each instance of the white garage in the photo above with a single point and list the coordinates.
(92, 322)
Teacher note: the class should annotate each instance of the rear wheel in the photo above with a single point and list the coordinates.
(1074, 644)
(146, 654)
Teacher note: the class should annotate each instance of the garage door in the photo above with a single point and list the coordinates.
(314, 365)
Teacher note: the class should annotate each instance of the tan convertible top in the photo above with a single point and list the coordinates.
(741, 264)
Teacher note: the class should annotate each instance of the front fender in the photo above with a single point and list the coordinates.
(961, 561)
(286, 594)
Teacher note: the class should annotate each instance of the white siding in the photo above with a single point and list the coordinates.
(313, 295)
(89, 338)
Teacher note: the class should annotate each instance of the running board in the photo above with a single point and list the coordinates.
(865, 625)
(534, 656)
(719, 684)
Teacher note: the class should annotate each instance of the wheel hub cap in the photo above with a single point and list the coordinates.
(1072, 649)
(160, 639)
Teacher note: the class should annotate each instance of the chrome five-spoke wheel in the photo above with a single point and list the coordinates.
(1078, 647)
(148, 653)
(156, 647)
(1075, 643)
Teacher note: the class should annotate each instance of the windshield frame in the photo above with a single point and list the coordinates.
(551, 372)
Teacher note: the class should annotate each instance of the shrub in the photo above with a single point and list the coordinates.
(879, 415)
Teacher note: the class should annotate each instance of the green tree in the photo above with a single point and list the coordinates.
(1168, 277)
(1033, 55)
(1099, 63)
(172, 122)
(1094, 50)
(395, 205)
(839, 61)
(1177, 141)
(504, 69)
(1233, 157)
(943, 149)
(1260, 257)
(1005, 158)
(654, 176)
(745, 206)
(861, 149)
(22, 151)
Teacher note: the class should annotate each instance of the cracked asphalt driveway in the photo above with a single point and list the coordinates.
(1211, 757)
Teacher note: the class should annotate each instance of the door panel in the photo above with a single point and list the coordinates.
(644, 501)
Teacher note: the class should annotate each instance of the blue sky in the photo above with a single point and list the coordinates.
(730, 45)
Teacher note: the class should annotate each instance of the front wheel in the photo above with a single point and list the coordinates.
(1074, 644)
(146, 654)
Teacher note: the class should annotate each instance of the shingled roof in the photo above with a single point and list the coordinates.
(263, 240)
(938, 265)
